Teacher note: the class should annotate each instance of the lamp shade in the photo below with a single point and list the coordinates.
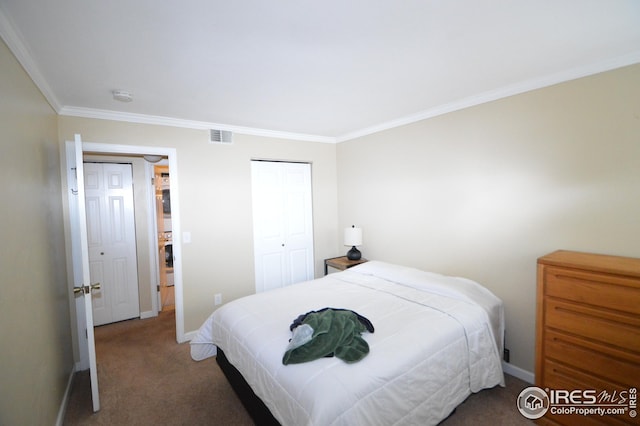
(353, 236)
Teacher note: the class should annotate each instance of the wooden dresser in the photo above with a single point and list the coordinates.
(588, 328)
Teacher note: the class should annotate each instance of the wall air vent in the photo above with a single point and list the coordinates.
(221, 136)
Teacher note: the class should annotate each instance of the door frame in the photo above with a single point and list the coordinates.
(171, 153)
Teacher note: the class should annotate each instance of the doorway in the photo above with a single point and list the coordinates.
(171, 156)
(162, 188)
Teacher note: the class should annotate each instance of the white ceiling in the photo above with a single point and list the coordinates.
(323, 70)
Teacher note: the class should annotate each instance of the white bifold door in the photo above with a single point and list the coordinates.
(112, 241)
(282, 223)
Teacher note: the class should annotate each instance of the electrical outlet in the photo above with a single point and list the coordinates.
(506, 355)
(217, 299)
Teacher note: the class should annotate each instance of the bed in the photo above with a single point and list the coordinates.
(437, 339)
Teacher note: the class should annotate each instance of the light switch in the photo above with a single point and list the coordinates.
(186, 237)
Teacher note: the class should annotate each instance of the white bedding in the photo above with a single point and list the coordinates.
(436, 340)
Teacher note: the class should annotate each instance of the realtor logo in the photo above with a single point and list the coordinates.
(533, 402)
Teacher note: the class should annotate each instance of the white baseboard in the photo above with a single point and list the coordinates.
(190, 335)
(518, 372)
(65, 399)
(147, 314)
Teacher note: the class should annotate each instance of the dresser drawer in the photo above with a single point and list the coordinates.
(558, 376)
(603, 290)
(613, 367)
(610, 327)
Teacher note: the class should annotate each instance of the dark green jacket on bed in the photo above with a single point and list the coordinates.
(335, 332)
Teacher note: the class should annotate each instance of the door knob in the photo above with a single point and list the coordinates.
(86, 289)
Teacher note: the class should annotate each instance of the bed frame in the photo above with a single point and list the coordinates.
(254, 405)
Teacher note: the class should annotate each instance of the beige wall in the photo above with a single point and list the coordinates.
(215, 202)
(485, 191)
(36, 357)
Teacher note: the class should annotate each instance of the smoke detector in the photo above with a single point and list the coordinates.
(122, 95)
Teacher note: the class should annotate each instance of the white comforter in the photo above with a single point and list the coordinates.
(436, 340)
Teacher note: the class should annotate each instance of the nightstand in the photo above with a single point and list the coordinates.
(341, 263)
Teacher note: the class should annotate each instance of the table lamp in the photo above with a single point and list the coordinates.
(353, 238)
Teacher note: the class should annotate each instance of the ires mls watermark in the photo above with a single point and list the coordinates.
(534, 402)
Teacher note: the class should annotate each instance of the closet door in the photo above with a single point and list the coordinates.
(282, 223)
(112, 241)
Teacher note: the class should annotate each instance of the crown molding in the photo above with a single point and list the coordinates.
(503, 92)
(481, 98)
(189, 124)
(14, 41)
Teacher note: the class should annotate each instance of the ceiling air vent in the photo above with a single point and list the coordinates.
(221, 136)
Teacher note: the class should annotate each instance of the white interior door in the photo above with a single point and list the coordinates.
(80, 250)
(112, 241)
(282, 223)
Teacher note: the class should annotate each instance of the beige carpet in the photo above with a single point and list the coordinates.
(146, 378)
